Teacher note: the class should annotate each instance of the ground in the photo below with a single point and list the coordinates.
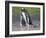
(16, 26)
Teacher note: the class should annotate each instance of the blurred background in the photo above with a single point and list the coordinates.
(35, 17)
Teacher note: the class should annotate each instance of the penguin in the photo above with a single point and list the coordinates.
(25, 17)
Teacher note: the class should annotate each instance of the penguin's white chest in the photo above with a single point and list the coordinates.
(24, 16)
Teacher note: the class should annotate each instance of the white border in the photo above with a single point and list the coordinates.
(25, 32)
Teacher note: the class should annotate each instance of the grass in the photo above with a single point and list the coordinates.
(30, 10)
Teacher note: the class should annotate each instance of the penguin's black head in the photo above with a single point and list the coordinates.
(23, 10)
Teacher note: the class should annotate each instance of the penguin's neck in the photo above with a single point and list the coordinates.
(23, 13)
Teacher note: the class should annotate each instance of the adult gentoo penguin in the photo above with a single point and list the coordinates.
(25, 17)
